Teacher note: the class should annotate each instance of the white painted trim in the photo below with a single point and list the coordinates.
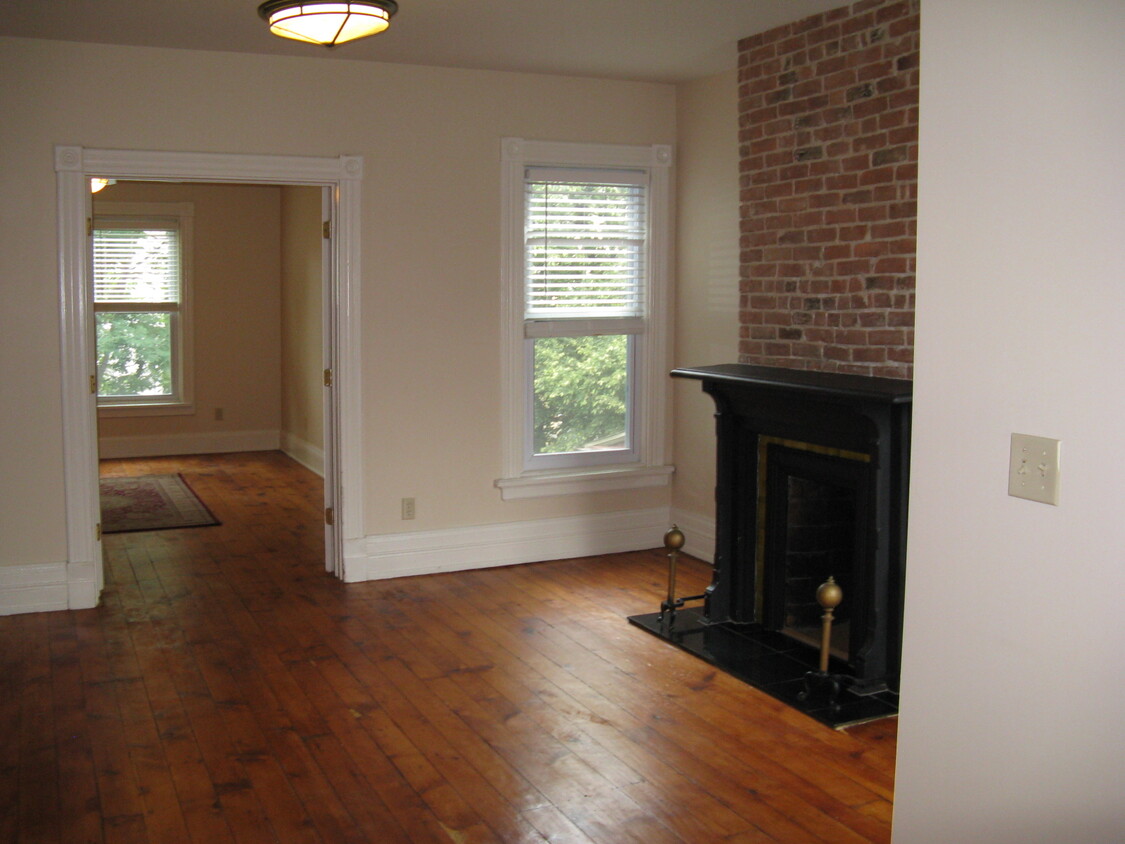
(304, 452)
(219, 167)
(74, 166)
(699, 534)
(344, 426)
(209, 442)
(334, 542)
(486, 546)
(79, 406)
(586, 481)
(135, 411)
(44, 587)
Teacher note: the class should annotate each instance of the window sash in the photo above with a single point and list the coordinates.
(582, 327)
(585, 243)
(545, 461)
(137, 261)
(175, 364)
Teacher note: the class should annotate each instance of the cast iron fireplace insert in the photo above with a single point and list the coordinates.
(811, 482)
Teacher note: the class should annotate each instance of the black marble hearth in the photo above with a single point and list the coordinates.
(811, 481)
(772, 662)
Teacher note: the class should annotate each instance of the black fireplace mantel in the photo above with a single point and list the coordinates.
(804, 381)
(823, 407)
(771, 421)
(870, 416)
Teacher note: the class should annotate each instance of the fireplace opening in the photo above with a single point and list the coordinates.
(811, 503)
(818, 536)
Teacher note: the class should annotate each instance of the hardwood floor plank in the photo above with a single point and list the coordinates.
(375, 771)
(600, 685)
(799, 770)
(78, 795)
(555, 827)
(228, 689)
(38, 788)
(594, 666)
(419, 750)
(608, 759)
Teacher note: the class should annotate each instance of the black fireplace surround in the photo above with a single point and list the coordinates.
(812, 481)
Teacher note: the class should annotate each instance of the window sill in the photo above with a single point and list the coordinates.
(152, 409)
(571, 482)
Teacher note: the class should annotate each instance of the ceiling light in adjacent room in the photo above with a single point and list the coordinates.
(327, 22)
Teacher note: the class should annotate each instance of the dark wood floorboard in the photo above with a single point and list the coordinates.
(228, 689)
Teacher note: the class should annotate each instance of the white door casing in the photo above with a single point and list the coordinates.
(343, 441)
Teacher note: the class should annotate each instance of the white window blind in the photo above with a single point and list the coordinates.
(585, 243)
(137, 262)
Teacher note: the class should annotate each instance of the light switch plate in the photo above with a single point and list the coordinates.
(1033, 472)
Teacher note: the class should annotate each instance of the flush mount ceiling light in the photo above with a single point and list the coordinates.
(327, 22)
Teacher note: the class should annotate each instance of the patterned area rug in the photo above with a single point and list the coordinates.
(151, 502)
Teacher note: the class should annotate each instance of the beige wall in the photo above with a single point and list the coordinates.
(430, 139)
(302, 356)
(707, 278)
(1011, 727)
(236, 307)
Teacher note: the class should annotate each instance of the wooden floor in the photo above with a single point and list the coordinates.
(228, 689)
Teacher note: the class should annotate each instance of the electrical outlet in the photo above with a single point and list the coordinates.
(1033, 472)
(408, 508)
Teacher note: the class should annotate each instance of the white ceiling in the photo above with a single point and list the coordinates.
(650, 40)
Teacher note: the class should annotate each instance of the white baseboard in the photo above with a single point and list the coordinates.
(43, 587)
(699, 534)
(203, 443)
(304, 452)
(59, 586)
(485, 546)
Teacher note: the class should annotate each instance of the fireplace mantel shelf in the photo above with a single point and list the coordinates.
(810, 383)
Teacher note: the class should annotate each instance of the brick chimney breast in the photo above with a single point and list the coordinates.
(828, 133)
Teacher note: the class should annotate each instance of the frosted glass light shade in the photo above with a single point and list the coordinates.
(327, 22)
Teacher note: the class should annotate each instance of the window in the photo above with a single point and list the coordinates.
(585, 255)
(142, 319)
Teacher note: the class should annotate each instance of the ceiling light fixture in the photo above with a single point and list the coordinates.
(327, 22)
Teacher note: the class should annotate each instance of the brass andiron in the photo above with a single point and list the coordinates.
(673, 542)
(828, 595)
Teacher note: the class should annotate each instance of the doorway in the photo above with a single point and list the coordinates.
(339, 178)
(208, 311)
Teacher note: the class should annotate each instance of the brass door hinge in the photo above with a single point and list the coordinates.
(328, 378)
(98, 532)
(329, 516)
(94, 384)
(327, 229)
(89, 227)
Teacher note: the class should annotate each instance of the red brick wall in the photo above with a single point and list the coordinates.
(828, 123)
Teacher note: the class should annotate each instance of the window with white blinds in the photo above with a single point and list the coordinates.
(585, 251)
(142, 319)
(585, 242)
(137, 262)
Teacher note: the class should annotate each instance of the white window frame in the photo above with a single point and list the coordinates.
(644, 464)
(181, 402)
